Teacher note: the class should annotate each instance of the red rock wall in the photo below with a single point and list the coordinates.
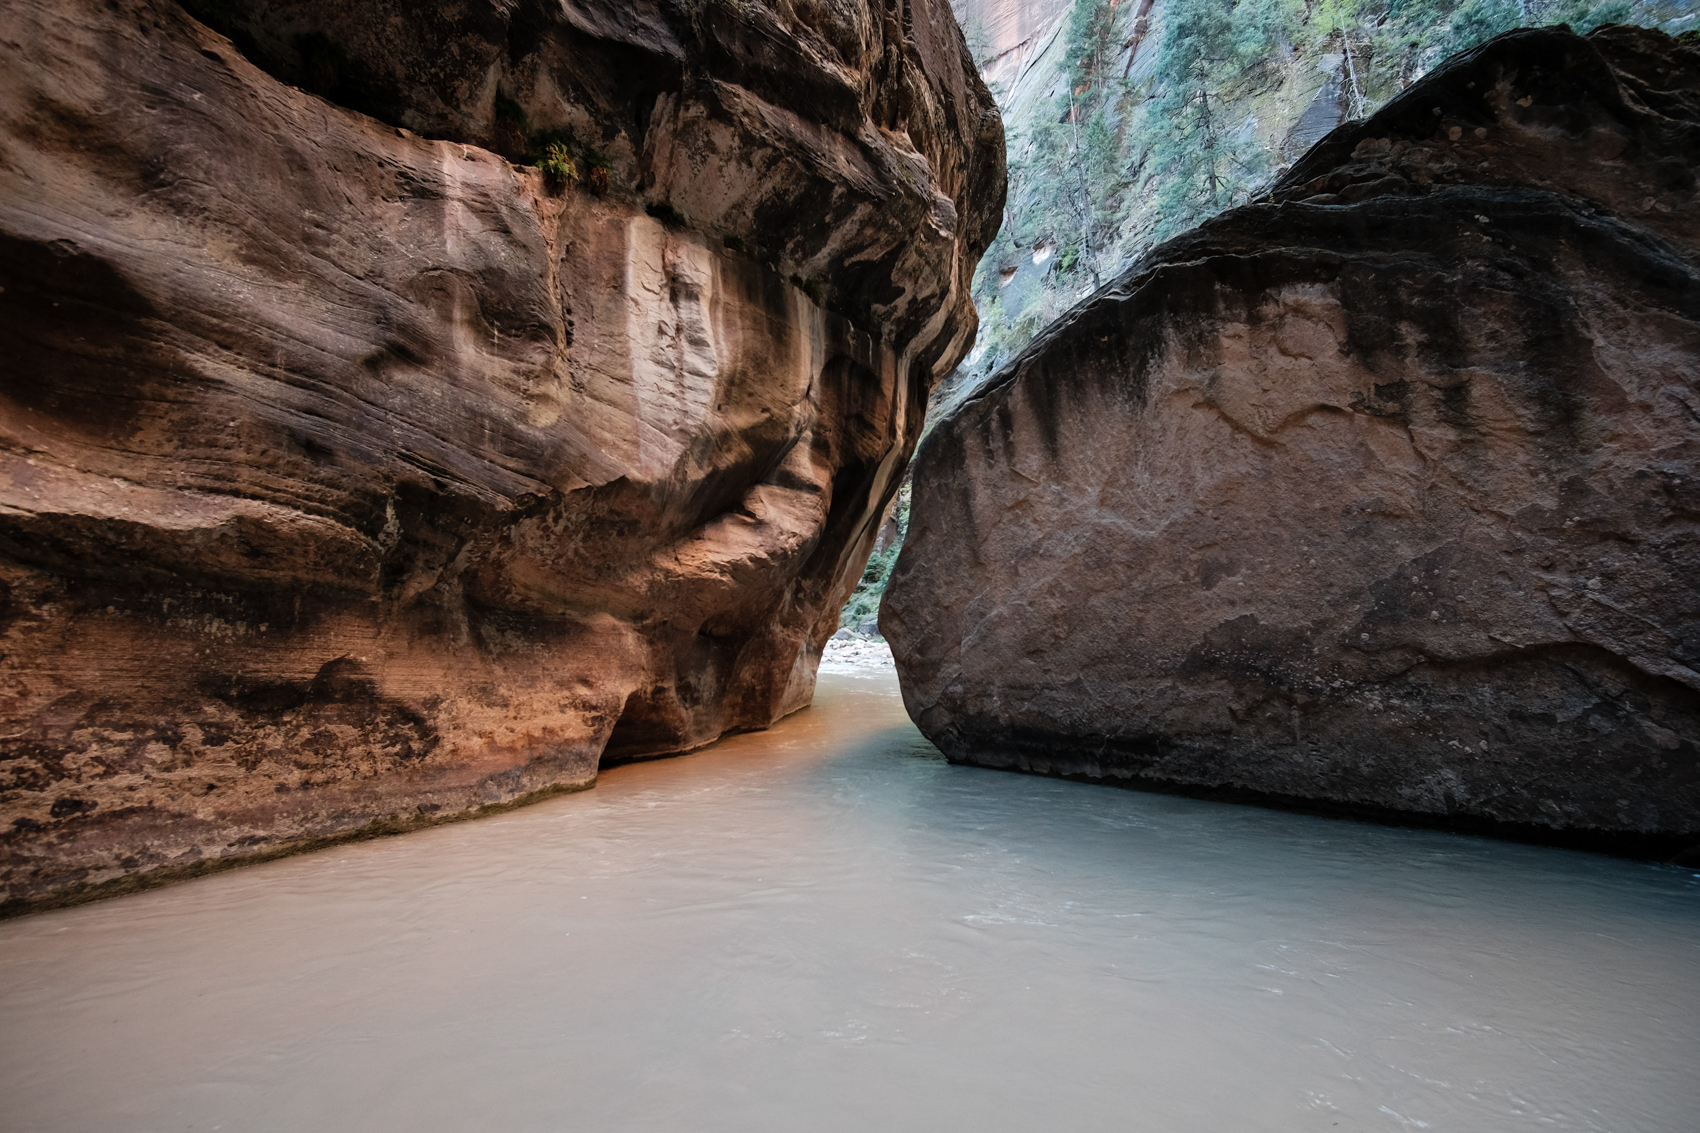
(1013, 31)
(355, 479)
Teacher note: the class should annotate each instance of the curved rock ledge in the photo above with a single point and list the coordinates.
(1383, 492)
(355, 479)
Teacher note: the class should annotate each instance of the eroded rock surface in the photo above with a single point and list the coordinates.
(1384, 492)
(1009, 33)
(354, 478)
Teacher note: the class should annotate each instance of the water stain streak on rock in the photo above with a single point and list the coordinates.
(1383, 492)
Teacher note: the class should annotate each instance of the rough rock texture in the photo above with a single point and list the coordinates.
(1384, 492)
(1008, 33)
(351, 480)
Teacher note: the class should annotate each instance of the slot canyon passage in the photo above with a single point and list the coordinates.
(826, 926)
(413, 412)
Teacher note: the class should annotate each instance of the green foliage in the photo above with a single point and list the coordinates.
(1102, 166)
(1202, 164)
(735, 242)
(813, 288)
(1091, 43)
(563, 158)
(864, 604)
(557, 163)
(994, 326)
(1480, 20)
(1420, 33)
(1073, 169)
(879, 566)
(1093, 150)
(1584, 17)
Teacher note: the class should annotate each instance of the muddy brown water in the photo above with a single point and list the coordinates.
(826, 927)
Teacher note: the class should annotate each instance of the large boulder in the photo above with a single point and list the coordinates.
(353, 476)
(1382, 492)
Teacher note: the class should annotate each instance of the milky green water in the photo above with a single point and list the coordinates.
(826, 927)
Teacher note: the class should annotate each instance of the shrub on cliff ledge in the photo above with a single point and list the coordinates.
(558, 165)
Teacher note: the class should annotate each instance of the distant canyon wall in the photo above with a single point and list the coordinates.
(359, 474)
(1181, 109)
(1006, 34)
(1381, 494)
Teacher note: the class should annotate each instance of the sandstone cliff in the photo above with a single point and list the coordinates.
(1179, 109)
(356, 476)
(1384, 491)
(1005, 35)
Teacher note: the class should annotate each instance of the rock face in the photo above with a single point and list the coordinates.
(354, 478)
(1384, 492)
(1007, 33)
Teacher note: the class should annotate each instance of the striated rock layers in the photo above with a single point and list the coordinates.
(352, 478)
(1007, 34)
(1383, 493)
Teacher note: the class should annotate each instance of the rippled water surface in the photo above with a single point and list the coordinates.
(825, 927)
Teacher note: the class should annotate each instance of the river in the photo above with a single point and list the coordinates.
(827, 927)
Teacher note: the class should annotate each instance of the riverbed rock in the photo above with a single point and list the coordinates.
(356, 476)
(1381, 493)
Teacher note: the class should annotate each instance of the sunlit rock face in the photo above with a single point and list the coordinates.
(1384, 492)
(355, 478)
(1009, 33)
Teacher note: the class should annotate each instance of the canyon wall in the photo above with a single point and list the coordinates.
(1006, 34)
(1132, 121)
(358, 477)
(1380, 493)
